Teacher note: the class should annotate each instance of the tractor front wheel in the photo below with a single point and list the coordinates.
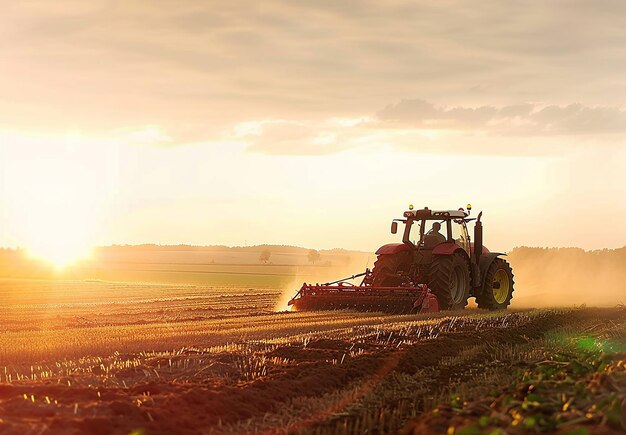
(498, 289)
(449, 280)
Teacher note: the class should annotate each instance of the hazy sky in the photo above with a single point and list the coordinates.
(310, 123)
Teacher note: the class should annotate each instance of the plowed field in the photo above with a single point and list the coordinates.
(102, 357)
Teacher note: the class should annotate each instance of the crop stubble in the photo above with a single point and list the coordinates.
(111, 357)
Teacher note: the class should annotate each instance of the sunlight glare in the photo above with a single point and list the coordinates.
(58, 225)
(56, 196)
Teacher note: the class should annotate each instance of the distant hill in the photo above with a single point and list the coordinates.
(263, 265)
(278, 254)
(211, 248)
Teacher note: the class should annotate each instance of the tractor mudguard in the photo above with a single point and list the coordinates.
(485, 262)
(446, 248)
(392, 248)
(450, 248)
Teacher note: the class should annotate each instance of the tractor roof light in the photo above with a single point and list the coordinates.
(410, 206)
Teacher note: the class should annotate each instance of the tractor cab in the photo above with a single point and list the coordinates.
(435, 227)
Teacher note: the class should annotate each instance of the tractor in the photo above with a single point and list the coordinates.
(429, 271)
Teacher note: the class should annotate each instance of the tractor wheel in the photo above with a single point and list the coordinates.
(449, 280)
(498, 289)
(387, 267)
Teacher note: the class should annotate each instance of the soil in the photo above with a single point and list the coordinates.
(379, 377)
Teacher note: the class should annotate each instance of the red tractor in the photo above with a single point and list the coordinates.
(439, 270)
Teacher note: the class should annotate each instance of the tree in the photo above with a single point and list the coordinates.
(314, 256)
(265, 256)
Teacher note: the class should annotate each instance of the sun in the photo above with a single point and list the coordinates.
(60, 232)
(54, 209)
(60, 254)
(61, 235)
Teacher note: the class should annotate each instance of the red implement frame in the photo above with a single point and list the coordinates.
(364, 297)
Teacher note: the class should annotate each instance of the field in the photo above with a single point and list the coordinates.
(109, 357)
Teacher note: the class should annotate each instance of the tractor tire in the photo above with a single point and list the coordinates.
(449, 279)
(387, 267)
(497, 298)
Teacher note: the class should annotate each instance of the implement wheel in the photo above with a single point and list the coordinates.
(498, 288)
(449, 280)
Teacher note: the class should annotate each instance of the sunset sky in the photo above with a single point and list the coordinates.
(309, 123)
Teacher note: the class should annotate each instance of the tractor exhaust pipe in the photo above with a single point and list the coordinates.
(478, 238)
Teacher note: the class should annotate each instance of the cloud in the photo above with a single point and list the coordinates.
(151, 135)
(520, 119)
(200, 65)
(288, 137)
(421, 126)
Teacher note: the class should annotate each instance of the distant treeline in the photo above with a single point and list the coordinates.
(220, 248)
(16, 263)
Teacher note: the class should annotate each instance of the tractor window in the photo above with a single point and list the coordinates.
(417, 233)
(459, 233)
(432, 237)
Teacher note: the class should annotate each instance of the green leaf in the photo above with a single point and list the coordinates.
(484, 421)
(471, 429)
(614, 414)
(456, 401)
(577, 431)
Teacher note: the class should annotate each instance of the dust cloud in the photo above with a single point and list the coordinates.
(544, 277)
(350, 264)
(558, 277)
(288, 291)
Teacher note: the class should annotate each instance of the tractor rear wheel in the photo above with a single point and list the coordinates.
(498, 289)
(449, 280)
(387, 268)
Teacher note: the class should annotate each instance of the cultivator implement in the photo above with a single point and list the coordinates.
(341, 294)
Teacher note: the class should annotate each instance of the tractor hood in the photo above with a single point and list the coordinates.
(392, 248)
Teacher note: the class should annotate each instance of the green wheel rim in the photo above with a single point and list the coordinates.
(501, 291)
